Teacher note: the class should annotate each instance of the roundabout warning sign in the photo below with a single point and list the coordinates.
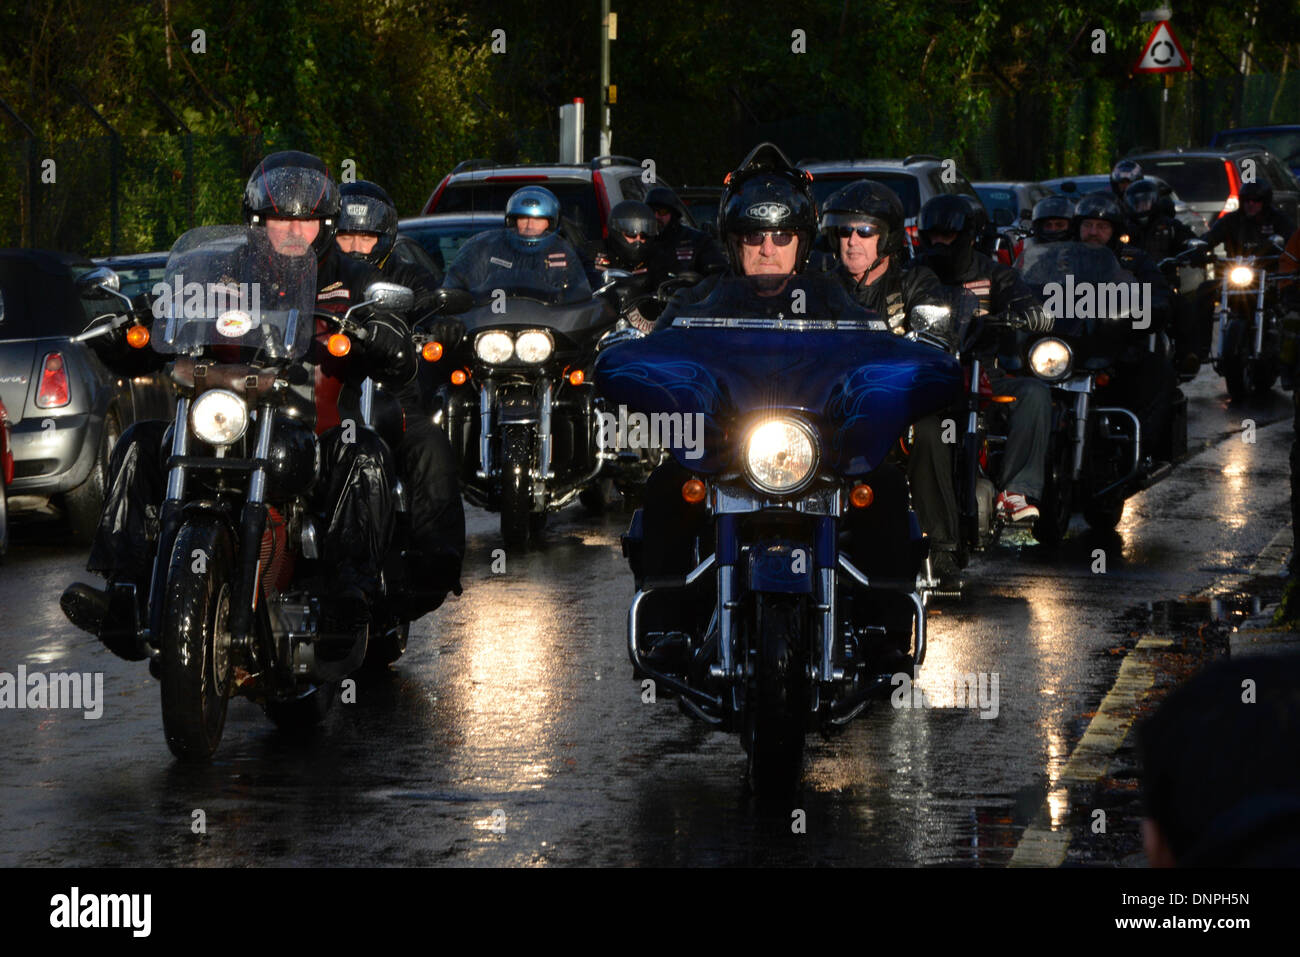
(1163, 53)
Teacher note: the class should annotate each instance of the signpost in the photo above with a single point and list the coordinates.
(1163, 54)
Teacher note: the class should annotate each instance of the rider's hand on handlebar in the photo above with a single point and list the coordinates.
(446, 330)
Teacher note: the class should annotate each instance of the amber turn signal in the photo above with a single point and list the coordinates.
(861, 496)
(693, 491)
(576, 377)
(432, 351)
(1002, 398)
(137, 337)
(1103, 379)
(459, 377)
(339, 345)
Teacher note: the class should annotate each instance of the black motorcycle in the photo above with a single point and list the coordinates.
(234, 601)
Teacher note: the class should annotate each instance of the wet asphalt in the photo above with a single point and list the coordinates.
(512, 733)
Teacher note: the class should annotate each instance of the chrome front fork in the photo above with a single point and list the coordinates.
(487, 396)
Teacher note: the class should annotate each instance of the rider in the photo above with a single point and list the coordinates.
(291, 195)
(1161, 236)
(947, 243)
(631, 246)
(526, 255)
(863, 223)
(368, 232)
(685, 249)
(1122, 176)
(1147, 380)
(1249, 230)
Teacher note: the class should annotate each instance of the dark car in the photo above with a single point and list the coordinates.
(442, 235)
(1282, 141)
(915, 179)
(1017, 199)
(66, 409)
(1210, 180)
(6, 474)
(586, 191)
(702, 201)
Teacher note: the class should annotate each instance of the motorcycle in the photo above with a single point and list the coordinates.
(234, 600)
(795, 407)
(519, 411)
(1246, 345)
(1098, 456)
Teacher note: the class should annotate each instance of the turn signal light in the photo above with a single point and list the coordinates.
(1103, 379)
(693, 491)
(431, 352)
(459, 377)
(137, 337)
(861, 496)
(1002, 398)
(576, 377)
(339, 345)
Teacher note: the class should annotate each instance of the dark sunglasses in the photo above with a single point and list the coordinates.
(863, 231)
(779, 238)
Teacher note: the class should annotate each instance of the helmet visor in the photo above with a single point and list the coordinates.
(295, 192)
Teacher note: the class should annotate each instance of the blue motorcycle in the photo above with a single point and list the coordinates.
(780, 398)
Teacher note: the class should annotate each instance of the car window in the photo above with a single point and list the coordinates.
(631, 187)
(1284, 144)
(443, 242)
(1196, 179)
(903, 184)
(1279, 174)
(39, 303)
(577, 199)
(999, 199)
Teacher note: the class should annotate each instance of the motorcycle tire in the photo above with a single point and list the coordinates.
(302, 715)
(516, 483)
(1103, 516)
(1057, 508)
(1260, 376)
(387, 646)
(777, 698)
(196, 669)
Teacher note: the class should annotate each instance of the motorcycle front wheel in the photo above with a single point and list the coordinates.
(776, 701)
(1054, 518)
(196, 665)
(516, 483)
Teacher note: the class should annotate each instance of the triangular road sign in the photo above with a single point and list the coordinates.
(1163, 53)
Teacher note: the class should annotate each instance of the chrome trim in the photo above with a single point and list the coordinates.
(793, 325)
(310, 548)
(918, 602)
(727, 606)
(368, 403)
(1080, 382)
(257, 483)
(1259, 317)
(1080, 430)
(180, 446)
(1137, 447)
(826, 605)
(728, 500)
(487, 395)
(544, 430)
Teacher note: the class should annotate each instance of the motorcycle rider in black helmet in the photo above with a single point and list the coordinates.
(948, 248)
(768, 225)
(1051, 222)
(862, 224)
(291, 195)
(1248, 231)
(368, 231)
(631, 246)
(526, 255)
(1124, 174)
(1161, 236)
(1146, 380)
(684, 249)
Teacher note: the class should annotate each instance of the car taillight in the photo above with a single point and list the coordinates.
(53, 392)
(602, 200)
(1234, 189)
(432, 204)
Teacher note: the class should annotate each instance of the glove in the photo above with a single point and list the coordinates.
(389, 355)
(447, 330)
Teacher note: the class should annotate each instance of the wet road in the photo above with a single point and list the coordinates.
(511, 733)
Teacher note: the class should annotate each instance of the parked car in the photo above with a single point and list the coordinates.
(1282, 141)
(65, 408)
(1210, 179)
(1076, 186)
(442, 234)
(6, 470)
(586, 191)
(1018, 199)
(702, 201)
(137, 273)
(914, 178)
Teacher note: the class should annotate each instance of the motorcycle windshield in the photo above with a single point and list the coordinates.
(1083, 288)
(572, 319)
(228, 286)
(747, 352)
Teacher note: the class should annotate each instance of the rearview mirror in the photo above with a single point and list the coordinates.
(452, 301)
(98, 283)
(390, 295)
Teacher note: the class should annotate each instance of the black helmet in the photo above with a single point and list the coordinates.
(294, 185)
(947, 213)
(1125, 171)
(869, 200)
(766, 192)
(1143, 201)
(1100, 206)
(366, 208)
(537, 202)
(664, 197)
(1053, 207)
(631, 217)
(1262, 192)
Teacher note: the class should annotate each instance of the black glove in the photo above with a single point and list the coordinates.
(390, 357)
(447, 330)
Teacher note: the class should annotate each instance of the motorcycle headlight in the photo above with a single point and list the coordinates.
(534, 346)
(1241, 276)
(780, 455)
(1050, 359)
(219, 417)
(494, 347)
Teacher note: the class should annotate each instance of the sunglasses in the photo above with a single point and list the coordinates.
(634, 237)
(863, 232)
(779, 237)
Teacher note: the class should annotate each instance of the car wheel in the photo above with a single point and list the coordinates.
(83, 505)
